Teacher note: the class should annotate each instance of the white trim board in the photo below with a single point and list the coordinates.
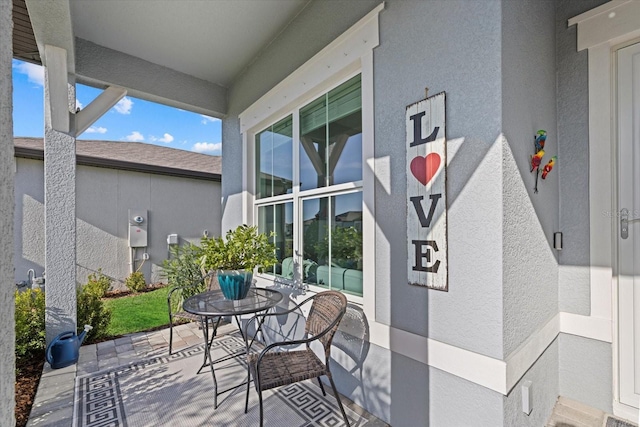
(355, 43)
(497, 375)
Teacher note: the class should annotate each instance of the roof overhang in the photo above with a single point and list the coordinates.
(184, 54)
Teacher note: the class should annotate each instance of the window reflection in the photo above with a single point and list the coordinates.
(332, 242)
(279, 219)
(331, 138)
(274, 159)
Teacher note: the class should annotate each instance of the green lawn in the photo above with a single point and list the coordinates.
(139, 312)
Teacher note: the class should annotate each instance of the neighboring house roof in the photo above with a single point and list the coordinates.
(133, 156)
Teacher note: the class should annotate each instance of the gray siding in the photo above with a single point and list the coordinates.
(183, 206)
(7, 329)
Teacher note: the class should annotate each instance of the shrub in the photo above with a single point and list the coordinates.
(184, 269)
(92, 311)
(30, 329)
(184, 265)
(242, 248)
(135, 281)
(98, 283)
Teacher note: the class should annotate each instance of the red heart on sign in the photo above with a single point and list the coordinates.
(424, 168)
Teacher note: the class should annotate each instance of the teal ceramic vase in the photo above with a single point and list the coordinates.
(235, 284)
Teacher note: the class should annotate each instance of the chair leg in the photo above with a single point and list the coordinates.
(260, 400)
(170, 337)
(246, 400)
(335, 392)
(321, 386)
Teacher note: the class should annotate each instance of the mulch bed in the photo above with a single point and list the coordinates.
(27, 380)
(126, 292)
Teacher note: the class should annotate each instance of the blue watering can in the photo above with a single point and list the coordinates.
(64, 350)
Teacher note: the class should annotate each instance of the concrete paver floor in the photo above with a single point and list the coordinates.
(54, 402)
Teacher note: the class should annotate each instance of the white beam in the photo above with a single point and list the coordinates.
(98, 107)
(57, 82)
(51, 23)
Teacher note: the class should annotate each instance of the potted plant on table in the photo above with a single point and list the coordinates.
(236, 257)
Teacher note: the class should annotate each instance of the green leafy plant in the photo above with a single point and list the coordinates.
(242, 249)
(98, 283)
(30, 327)
(135, 281)
(184, 268)
(91, 310)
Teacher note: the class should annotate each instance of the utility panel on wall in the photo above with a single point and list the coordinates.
(138, 228)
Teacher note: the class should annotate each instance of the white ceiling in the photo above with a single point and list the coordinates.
(213, 40)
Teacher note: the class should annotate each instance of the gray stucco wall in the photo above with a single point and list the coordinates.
(7, 325)
(573, 149)
(544, 389)
(585, 371)
(585, 366)
(59, 212)
(182, 206)
(451, 46)
(530, 273)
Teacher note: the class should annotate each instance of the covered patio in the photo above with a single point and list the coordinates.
(389, 146)
(133, 381)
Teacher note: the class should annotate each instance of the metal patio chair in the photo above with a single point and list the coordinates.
(274, 366)
(178, 294)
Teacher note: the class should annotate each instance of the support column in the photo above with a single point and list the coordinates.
(59, 195)
(7, 306)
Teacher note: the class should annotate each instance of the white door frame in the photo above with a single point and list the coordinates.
(602, 31)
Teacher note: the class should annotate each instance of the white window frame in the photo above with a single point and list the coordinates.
(348, 55)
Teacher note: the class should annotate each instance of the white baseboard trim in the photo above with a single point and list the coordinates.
(523, 358)
(595, 328)
(497, 375)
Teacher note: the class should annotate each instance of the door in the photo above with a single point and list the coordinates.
(628, 130)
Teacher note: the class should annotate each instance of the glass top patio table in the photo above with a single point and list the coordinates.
(212, 304)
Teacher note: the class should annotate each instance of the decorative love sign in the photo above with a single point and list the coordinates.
(427, 193)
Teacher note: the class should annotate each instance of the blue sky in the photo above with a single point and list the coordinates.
(131, 119)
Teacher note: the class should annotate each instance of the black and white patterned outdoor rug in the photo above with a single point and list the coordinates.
(617, 422)
(166, 391)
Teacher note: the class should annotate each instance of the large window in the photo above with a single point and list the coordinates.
(308, 189)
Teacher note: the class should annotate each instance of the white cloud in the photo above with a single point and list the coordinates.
(124, 105)
(207, 119)
(134, 136)
(207, 147)
(94, 129)
(35, 73)
(166, 138)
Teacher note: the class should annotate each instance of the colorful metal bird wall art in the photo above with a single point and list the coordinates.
(536, 160)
